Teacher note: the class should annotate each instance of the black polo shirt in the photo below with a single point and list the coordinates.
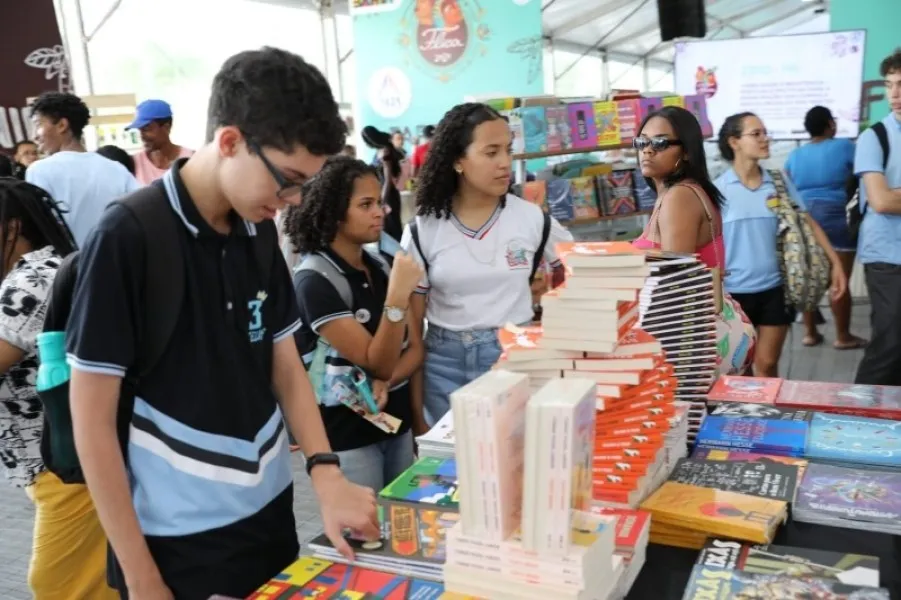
(319, 304)
(208, 453)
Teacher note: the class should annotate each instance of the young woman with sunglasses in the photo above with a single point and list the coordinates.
(687, 216)
(750, 229)
(477, 245)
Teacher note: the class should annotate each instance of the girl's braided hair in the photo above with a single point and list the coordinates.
(438, 181)
(313, 224)
(39, 219)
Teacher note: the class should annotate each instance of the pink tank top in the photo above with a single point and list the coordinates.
(713, 253)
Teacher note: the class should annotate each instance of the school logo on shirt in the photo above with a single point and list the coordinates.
(256, 331)
(517, 256)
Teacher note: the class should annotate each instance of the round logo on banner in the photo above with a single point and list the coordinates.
(444, 37)
(390, 92)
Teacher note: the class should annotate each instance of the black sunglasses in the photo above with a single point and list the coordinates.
(657, 144)
(286, 188)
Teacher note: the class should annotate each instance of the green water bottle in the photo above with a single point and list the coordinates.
(53, 370)
(53, 389)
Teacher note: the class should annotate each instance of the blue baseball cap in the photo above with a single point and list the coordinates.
(149, 111)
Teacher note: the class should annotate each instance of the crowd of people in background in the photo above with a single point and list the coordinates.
(197, 500)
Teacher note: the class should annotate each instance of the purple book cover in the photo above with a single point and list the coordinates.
(847, 493)
(582, 126)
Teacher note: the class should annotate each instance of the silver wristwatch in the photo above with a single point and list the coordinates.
(395, 314)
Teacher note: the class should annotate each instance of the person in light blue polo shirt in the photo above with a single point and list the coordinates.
(750, 228)
(879, 243)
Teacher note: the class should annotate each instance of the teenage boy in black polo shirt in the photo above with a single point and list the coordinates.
(206, 505)
(341, 213)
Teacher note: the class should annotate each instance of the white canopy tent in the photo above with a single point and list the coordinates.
(171, 48)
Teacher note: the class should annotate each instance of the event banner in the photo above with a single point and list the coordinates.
(32, 61)
(415, 59)
(778, 78)
(882, 40)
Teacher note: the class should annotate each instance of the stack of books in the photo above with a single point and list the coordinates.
(677, 307)
(763, 435)
(866, 499)
(598, 304)
(415, 510)
(489, 416)
(438, 441)
(686, 515)
(543, 542)
(633, 529)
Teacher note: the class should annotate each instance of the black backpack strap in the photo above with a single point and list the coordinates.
(539, 252)
(881, 135)
(61, 293)
(164, 272)
(414, 235)
(265, 243)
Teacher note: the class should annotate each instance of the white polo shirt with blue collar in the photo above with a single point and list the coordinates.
(749, 233)
(880, 235)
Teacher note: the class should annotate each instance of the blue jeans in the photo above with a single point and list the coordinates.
(453, 359)
(377, 465)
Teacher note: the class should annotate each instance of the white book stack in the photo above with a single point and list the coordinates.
(438, 442)
(559, 447)
(590, 570)
(597, 304)
(489, 426)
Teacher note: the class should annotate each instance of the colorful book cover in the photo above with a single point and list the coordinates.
(606, 120)
(535, 192)
(584, 198)
(876, 401)
(711, 583)
(617, 192)
(630, 525)
(649, 106)
(855, 569)
(310, 577)
(760, 411)
(853, 494)
(584, 133)
(645, 196)
(559, 199)
(713, 454)
(674, 101)
(788, 438)
(718, 513)
(534, 126)
(746, 390)
(514, 120)
(559, 136)
(628, 114)
(429, 481)
(696, 104)
(583, 419)
(766, 480)
(846, 438)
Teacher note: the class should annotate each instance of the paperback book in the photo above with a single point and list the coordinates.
(766, 436)
(854, 439)
(710, 583)
(766, 480)
(853, 569)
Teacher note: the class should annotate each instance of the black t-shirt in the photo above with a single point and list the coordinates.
(208, 454)
(320, 303)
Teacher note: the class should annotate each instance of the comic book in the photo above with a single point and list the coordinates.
(430, 481)
(718, 513)
(854, 569)
(767, 480)
(852, 439)
(711, 583)
(310, 577)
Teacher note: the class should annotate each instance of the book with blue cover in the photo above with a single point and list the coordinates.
(859, 440)
(765, 436)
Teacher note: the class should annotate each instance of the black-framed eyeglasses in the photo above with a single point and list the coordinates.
(286, 188)
(657, 144)
(757, 134)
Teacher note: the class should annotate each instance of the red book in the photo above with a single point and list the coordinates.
(876, 401)
(747, 390)
(631, 526)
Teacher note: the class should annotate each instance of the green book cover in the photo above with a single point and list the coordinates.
(429, 480)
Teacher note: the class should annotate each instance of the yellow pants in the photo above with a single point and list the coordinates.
(68, 558)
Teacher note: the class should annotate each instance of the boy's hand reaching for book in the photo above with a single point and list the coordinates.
(344, 505)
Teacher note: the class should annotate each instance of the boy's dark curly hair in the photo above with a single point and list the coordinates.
(438, 181)
(313, 224)
(278, 100)
(56, 106)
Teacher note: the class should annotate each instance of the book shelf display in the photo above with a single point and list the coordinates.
(595, 200)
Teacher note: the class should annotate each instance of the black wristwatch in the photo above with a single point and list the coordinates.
(322, 458)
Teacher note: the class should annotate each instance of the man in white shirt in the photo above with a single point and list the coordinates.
(83, 182)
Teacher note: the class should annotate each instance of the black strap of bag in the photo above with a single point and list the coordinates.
(881, 135)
